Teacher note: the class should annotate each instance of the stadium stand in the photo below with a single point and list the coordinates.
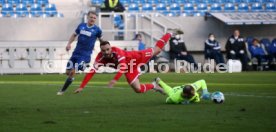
(243, 7)
(202, 9)
(189, 9)
(270, 7)
(196, 28)
(266, 42)
(28, 2)
(256, 7)
(99, 2)
(42, 2)
(133, 7)
(199, 7)
(147, 7)
(28, 8)
(161, 7)
(7, 8)
(229, 7)
(216, 7)
(175, 9)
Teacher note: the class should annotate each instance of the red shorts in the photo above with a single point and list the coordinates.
(143, 57)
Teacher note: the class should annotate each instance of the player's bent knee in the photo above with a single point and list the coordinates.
(156, 51)
(136, 89)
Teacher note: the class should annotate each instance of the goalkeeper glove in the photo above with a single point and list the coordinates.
(205, 94)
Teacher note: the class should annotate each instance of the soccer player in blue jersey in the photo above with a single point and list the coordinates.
(87, 34)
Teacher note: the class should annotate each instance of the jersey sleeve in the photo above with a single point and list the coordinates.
(77, 31)
(195, 98)
(98, 61)
(99, 35)
(122, 66)
(118, 76)
(200, 84)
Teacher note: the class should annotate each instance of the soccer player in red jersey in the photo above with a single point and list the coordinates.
(128, 62)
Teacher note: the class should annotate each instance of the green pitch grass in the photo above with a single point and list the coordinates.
(29, 103)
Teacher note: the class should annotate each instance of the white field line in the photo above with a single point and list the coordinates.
(122, 88)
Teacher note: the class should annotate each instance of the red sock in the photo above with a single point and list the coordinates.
(162, 41)
(87, 77)
(145, 87)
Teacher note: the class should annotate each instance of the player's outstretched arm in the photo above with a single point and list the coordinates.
(201, 84)
(71, 40)
(86, 79)
(115, 79)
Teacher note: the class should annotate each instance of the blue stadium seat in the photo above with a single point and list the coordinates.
(254, 1)
(272, 47)
(28, 2)
(51, 13)
(21, 8)
(194, 1)
(167, 1)
(42, 2)
(7, 8)
(22, 13)
(141, 2)
(155, 2)
(117, 20)
(13, 2)
(8, 14)
(171, 14)
(175, 7)
(210, 1)
(266, 42)
(184, 14)
(50, 7)
(243, 7)
(256, 7)
(45, 15)
(124, 2)
(270, 7)
(133, 7)
(188, 9)
(216, 7)
(147, 7)
(36, 7)
(36, 13)
(97, 2)
(229, 7)
(201, 9)
(268, 1)
(2, 2)
(181, 2)
(218, 1)
(161, 7)
(249, 40)
(229, 1)
(241, 1)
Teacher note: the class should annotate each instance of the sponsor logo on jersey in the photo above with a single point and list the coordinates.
(87, 33)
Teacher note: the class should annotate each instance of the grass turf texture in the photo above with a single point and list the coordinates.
(29, 103)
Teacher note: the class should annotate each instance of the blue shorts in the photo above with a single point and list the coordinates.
(78, 62)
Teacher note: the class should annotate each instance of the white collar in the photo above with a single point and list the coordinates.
(90, 26)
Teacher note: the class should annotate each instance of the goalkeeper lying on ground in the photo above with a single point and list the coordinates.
(184, 94)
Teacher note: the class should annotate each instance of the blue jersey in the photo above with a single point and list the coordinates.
(87, 37)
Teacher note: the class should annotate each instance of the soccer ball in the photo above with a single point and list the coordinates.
(217, 97)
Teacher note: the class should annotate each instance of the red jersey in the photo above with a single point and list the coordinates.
(120, 56)
(127, 62)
